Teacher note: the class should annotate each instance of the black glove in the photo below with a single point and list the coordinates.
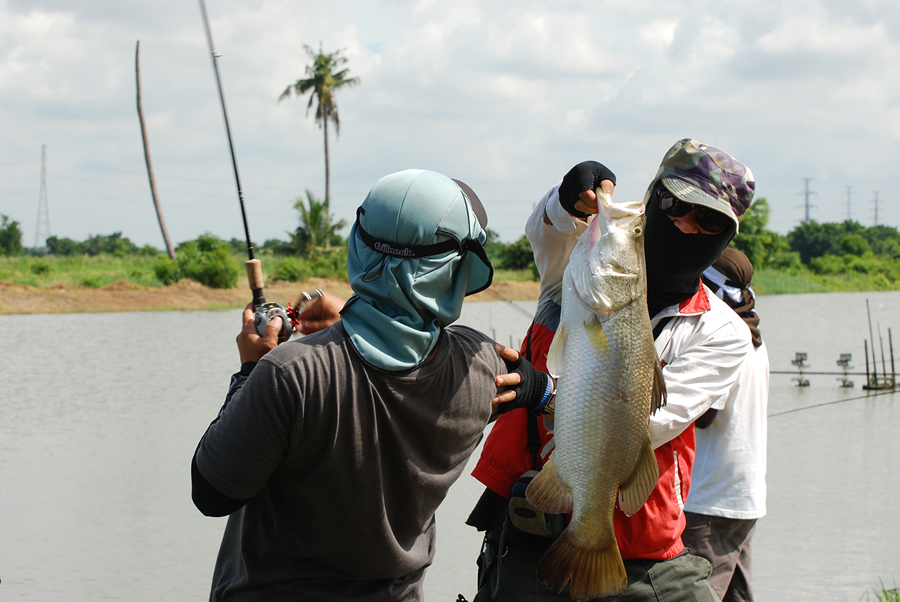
(587, 175)
(533, 391)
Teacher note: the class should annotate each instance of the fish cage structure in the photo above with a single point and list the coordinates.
(874, 380)
(843, 363)
(800, 361)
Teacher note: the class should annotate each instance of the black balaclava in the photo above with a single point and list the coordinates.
(676, 260)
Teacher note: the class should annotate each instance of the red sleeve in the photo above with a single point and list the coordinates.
(505, 456)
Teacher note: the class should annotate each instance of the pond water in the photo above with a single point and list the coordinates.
(101, 414)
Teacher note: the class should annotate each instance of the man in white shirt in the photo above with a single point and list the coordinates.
(728, 488)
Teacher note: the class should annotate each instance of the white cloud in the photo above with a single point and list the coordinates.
(658, 34)
(505, 95)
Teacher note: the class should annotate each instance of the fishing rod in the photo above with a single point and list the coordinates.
(265, 310)
(829, 403)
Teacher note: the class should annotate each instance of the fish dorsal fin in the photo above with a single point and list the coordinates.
(556, 353)
(640, 484)
(658, 393)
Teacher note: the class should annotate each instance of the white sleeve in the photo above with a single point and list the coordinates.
(552, 232)
(702, 363)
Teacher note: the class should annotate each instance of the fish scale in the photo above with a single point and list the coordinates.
(609, 381)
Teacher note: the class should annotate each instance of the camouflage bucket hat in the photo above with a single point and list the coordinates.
(704, 175)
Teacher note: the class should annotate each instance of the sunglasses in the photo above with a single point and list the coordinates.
(710, 220)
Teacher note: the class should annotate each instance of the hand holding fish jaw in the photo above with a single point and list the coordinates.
(588, 199)
(577, 192)
(528, 387)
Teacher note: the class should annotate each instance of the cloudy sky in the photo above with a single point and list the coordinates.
(503, 94)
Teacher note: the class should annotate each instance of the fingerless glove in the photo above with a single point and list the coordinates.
(587, 175)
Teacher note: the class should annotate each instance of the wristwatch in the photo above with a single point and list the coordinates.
(550, 406)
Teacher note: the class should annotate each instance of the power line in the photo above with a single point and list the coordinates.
(20, 163)
(206, 181)
(22, 177)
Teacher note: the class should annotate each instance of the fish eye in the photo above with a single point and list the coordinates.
(638, 230)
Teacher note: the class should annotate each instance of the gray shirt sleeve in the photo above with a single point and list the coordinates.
(243, 447)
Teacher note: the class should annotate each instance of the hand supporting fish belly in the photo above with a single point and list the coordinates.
(610, 381)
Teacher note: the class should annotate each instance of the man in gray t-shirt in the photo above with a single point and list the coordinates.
(332, 452)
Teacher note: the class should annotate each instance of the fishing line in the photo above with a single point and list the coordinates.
(830, 403)
(519, 308)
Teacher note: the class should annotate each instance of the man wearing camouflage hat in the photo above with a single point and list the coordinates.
(694, 205)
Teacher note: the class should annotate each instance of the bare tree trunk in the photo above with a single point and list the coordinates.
(327, 184)
(159, 215)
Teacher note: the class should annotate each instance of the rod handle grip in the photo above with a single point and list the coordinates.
(255, 279)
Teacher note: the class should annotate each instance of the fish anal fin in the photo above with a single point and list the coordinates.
(640, 484)
(592, 571)
(658, 395)
(556, 352)
(548, 492)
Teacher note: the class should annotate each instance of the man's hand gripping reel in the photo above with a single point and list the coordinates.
(267, 310)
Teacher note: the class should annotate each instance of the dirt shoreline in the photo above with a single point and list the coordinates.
(191, 296)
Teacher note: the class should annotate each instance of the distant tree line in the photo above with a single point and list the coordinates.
(112, 244)
(316, 249)
(824, 249)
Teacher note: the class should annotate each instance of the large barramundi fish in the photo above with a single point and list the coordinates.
(610, 381)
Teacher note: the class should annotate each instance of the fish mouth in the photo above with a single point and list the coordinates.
(616, 217)
(619, 211)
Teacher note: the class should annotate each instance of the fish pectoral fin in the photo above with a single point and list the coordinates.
(548, 492)
(638, 487)
(595, 570)
(556, 352)
(593, 328)
(658, 397)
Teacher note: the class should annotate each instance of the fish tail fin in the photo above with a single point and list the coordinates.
(594, 571)
(548, 492)
(640, 484)
(658, 395)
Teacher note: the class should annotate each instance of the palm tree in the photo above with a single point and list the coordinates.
(323, 78)
(315, 229)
